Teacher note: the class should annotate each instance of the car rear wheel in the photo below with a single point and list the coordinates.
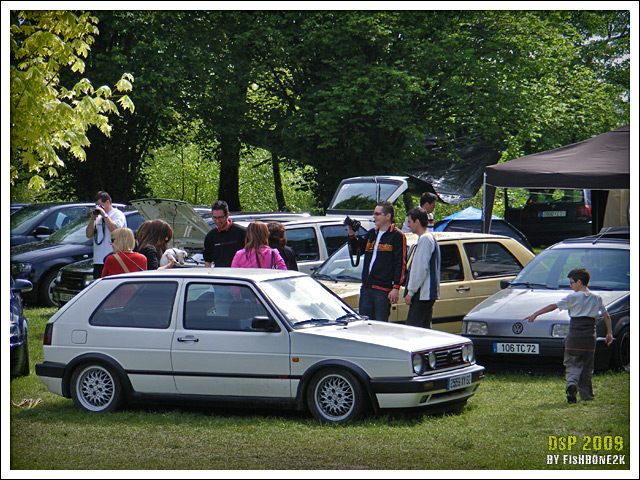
(621, 352)
(95, 388)
(335, 396)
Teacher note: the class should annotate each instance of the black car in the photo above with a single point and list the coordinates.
(552, 215)
(37, 221)
(39, 262)
(19, 329)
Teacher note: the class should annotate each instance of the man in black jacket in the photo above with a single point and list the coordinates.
(223, 241)
(384, 264)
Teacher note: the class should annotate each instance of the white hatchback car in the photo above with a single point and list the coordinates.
(245, 336)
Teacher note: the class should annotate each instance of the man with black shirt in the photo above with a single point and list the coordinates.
(223, 241)
(384, 265)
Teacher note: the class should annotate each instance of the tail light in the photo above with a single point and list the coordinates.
(48, 334)
(584, 212)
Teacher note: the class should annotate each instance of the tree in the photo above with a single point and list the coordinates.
(46, 117)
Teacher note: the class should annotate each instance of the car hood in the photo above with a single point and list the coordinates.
(30, 252)
(518, 303)
(373, 338)
(189, 228)
(349, 292)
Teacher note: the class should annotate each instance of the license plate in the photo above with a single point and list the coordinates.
(460, 381)
(65, 297)
(553, 213)
(518, 348)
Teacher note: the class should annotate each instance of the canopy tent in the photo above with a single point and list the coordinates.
(599, 163)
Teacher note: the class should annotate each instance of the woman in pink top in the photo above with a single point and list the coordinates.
(256, 252)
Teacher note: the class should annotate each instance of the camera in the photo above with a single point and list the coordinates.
(354, 224)
(97, 212)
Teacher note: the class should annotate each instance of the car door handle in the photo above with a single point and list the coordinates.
(188, 339)
(463, 289)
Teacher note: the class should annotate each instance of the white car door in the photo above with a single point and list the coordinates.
(216, 352)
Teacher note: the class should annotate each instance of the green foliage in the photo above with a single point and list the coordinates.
(47, 117)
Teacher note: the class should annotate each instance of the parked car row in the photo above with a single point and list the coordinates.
(19, 329)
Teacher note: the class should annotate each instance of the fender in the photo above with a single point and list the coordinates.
(101, 359)
(360, 374)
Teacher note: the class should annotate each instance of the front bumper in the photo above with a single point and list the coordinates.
(426, 390)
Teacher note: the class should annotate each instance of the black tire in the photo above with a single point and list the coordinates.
(96, 388)
(336, 396)
(621, 349)
(45, 293)
(24, 370)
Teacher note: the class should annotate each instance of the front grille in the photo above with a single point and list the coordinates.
(449, 357)
(72, 280)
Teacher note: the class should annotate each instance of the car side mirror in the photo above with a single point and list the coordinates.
(42, 230)
(504, 283)
(22, 285)
(263, 324)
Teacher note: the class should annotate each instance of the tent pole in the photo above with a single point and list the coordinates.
(488, 197)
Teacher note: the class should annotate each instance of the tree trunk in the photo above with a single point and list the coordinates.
(229, 186)
(277, 182)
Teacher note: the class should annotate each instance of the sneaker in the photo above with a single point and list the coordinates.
(572, 391)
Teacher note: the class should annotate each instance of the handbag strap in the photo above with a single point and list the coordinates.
(124, 267)
(273, 260)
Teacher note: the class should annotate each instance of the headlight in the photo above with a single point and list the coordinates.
(467, 353)
(560, 330)
(418, 364)
(432, 360)
(20, 268)
(477, 328)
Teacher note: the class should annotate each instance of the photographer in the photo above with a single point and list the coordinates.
(384, 265)
(105, 218)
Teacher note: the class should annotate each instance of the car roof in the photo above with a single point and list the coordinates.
(250, 274)
(593, 242)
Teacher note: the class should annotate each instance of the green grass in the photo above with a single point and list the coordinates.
(506, 425)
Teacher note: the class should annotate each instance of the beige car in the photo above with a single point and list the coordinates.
(472, 267)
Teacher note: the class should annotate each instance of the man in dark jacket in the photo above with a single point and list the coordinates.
(223, 241)
(384, 264)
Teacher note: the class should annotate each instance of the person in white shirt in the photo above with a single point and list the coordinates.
(428, 204)
(105, 218)
(423, 278)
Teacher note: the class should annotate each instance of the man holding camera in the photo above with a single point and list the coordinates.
(384, 265)
(105, 218)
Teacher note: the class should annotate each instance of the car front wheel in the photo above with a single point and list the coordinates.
(335, 397)
(621, 352)
(95, 388)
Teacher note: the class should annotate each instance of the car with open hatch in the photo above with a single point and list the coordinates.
(246, 337)
(472, 267)
(502, 336)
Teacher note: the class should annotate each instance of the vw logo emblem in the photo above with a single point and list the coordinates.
(517, 328)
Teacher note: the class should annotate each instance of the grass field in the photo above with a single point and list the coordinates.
(508, 425)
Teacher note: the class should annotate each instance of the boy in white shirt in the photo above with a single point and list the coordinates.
(580, 344)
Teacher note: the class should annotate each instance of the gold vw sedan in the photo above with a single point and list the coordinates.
(472, 267)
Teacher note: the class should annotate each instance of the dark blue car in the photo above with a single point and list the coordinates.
(39, 262)
(19, 329)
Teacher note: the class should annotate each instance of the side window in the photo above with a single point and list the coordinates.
(335, 236)
(221, 307)
(303, 241)
(450, 264)
(137, 305)
(491, 259)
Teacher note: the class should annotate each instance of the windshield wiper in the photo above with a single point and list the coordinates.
(312, 320)
(348, 316)
(533, 285)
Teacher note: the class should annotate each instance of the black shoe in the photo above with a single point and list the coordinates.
(572, 391)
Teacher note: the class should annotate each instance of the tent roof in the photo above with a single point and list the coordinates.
(469, 213)
(599, 163)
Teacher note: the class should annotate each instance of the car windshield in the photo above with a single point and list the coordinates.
(363, 195)
(306, 303)
(23, 220)
(340, 267)
(609, 268)
(73, 232)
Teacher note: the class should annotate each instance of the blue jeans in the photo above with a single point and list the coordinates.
(374, 304)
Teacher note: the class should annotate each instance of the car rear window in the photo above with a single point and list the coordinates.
(137, 305)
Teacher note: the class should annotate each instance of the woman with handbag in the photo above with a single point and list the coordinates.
(123, 259)
(153, 240)
(256, 252)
